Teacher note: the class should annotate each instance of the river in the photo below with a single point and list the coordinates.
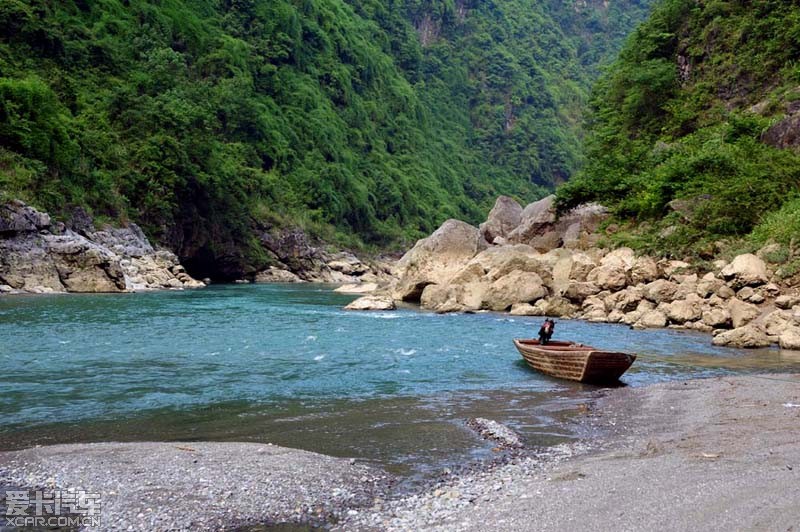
(284, 364)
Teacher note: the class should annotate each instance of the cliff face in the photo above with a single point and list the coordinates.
(356, 122)
(38, 255)
(694, 130)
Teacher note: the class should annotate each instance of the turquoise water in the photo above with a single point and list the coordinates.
(284, 363)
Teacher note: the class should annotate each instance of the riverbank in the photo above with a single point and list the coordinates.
(713, 454)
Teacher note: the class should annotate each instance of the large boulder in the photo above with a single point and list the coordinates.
(437, 258)
(504, 217)
(517, 287)
(742, 313)
(749, 336)
(454, 297)
(746, 270)
(535, 220)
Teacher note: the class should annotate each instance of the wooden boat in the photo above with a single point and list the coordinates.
(573, 361)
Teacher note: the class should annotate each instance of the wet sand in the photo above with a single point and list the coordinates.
(715, 454)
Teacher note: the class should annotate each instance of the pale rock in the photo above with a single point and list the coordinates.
(660, 291)
(644, 270)
(437, 258)
(725, 292)
(616, 316)
(372, 303)
(610, 276)
(578, 292)
(698, 326)
(748, 336)
(558, 307)
(505, 216)
(526, 309)
(582, 265)
(771, 289)
(790, 339)
(622, 258)
(516, 287)
(535, 219)
(471, 273)
(687, 286)
(683, 311)
(596, 315)
(502, 261)
(709, 285)
(277, 275)
(625, 300)
(671, 268)
(777, 321)
(787, 301)
(652, 319)
(742, 313)
(717, 318)
(746, 270)
(631, 317)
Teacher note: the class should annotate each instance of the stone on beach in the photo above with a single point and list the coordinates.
(748, 336)
(372, 303)
(746, 270)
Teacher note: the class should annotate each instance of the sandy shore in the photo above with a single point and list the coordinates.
(717, 454)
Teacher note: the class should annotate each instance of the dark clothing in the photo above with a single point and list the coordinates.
(546, 331)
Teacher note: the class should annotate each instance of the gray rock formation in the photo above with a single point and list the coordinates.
(37, 257)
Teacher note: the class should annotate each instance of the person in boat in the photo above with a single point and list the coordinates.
(546, 331)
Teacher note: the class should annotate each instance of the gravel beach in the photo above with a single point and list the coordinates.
(716, 454)
(198, 486)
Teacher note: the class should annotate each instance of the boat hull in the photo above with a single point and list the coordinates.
(576, 362)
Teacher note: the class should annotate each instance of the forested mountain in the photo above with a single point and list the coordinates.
(694, 133)
(363, 121)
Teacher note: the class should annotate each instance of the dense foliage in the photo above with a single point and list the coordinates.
(677, 125)
(206, 120)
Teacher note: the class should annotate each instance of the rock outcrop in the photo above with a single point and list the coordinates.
(531, 270)
(437, 258)
(296, 257)
(38, 256)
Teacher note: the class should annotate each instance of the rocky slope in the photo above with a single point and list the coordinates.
(540, 264)
(38, 255)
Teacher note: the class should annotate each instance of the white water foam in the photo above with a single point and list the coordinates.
(319, 357)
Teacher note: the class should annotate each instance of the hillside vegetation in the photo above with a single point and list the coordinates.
(209, 121)
(693, 133)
